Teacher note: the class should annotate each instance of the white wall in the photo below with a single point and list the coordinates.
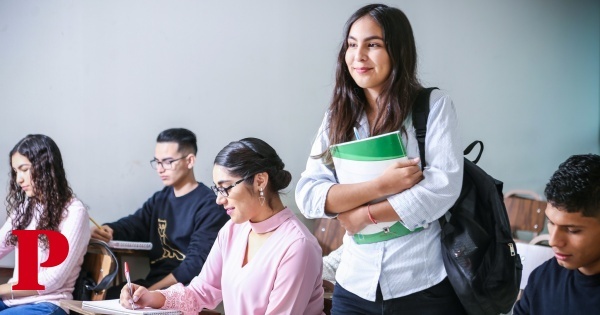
(103, 78)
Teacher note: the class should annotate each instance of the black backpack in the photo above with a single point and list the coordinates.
(480, 255)
(85, 283)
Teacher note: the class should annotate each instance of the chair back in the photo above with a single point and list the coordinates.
(525, 212)
(102, 266)
(533, 255)
(329, 233)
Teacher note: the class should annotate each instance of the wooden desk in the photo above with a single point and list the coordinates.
(120, 253)
(130, 252)
(531, 257)
(75, 306)
(5, 274)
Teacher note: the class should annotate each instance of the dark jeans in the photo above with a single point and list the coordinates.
(439, 299)
(44, 308)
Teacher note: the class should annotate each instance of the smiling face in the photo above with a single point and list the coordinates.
(22, 167)
(574, 239)
(366, 57)
(241, 204)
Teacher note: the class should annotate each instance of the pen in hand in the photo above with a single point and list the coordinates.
(96, 223)
(129, 283)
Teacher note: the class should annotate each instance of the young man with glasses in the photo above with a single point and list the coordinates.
(182, 220)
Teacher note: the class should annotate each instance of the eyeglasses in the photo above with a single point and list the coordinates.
(224, 191)
(166, 164)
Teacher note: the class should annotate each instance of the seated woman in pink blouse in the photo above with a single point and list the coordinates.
(264, 261)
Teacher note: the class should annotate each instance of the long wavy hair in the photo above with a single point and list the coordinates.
(399, 90)
(52, 193)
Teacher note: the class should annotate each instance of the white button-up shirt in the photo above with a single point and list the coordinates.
(413, 262)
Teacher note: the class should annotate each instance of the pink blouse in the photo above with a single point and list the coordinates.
(283, 277)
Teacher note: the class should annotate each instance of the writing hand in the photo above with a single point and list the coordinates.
(137, 299)
(141, 297)
(104, 234)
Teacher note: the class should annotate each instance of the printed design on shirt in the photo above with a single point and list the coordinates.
(169, 252)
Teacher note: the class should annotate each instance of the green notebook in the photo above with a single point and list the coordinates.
(362, 160)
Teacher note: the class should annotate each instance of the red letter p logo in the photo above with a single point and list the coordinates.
(58, 249)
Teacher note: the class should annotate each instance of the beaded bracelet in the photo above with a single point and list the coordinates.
(369, 214)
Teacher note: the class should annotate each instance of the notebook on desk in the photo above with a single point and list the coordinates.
(114, 307)
(130, 245)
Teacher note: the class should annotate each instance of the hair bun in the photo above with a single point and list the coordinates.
(281, 179)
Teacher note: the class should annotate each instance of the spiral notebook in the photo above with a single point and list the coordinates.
(130, 245)
(113, 307)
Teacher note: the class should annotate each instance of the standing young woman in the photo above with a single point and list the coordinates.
(40, 198)
(264, 261)
(376, 86)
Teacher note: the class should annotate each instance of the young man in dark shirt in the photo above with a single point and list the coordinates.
(569, 283)
(181, 220)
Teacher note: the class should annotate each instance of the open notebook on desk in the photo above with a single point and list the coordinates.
(130, 245)
(113, 307)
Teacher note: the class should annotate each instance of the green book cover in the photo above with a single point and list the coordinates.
(362, 160)
(378, 148)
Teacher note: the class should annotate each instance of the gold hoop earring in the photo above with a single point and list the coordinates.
(261, 198)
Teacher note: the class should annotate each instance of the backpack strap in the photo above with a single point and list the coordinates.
(106, 281)
(470, 148)
(420, 113)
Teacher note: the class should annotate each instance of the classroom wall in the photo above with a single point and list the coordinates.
(103, 78)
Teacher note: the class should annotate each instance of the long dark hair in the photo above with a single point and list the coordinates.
(52, 193)
(399, 91)
(251, 156)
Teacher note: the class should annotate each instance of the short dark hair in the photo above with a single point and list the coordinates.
(251, 156)
(575, 186)
(183, 137)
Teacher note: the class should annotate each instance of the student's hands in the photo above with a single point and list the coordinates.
(354, 220)
(399, 176)
(141, 297)
(105, 234)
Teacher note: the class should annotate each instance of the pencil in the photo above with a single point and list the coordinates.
(95, 223)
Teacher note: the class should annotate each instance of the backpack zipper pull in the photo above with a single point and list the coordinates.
(512, 249)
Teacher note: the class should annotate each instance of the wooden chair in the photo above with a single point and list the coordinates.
(329, 233)
(101, 264)
(525, 212)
